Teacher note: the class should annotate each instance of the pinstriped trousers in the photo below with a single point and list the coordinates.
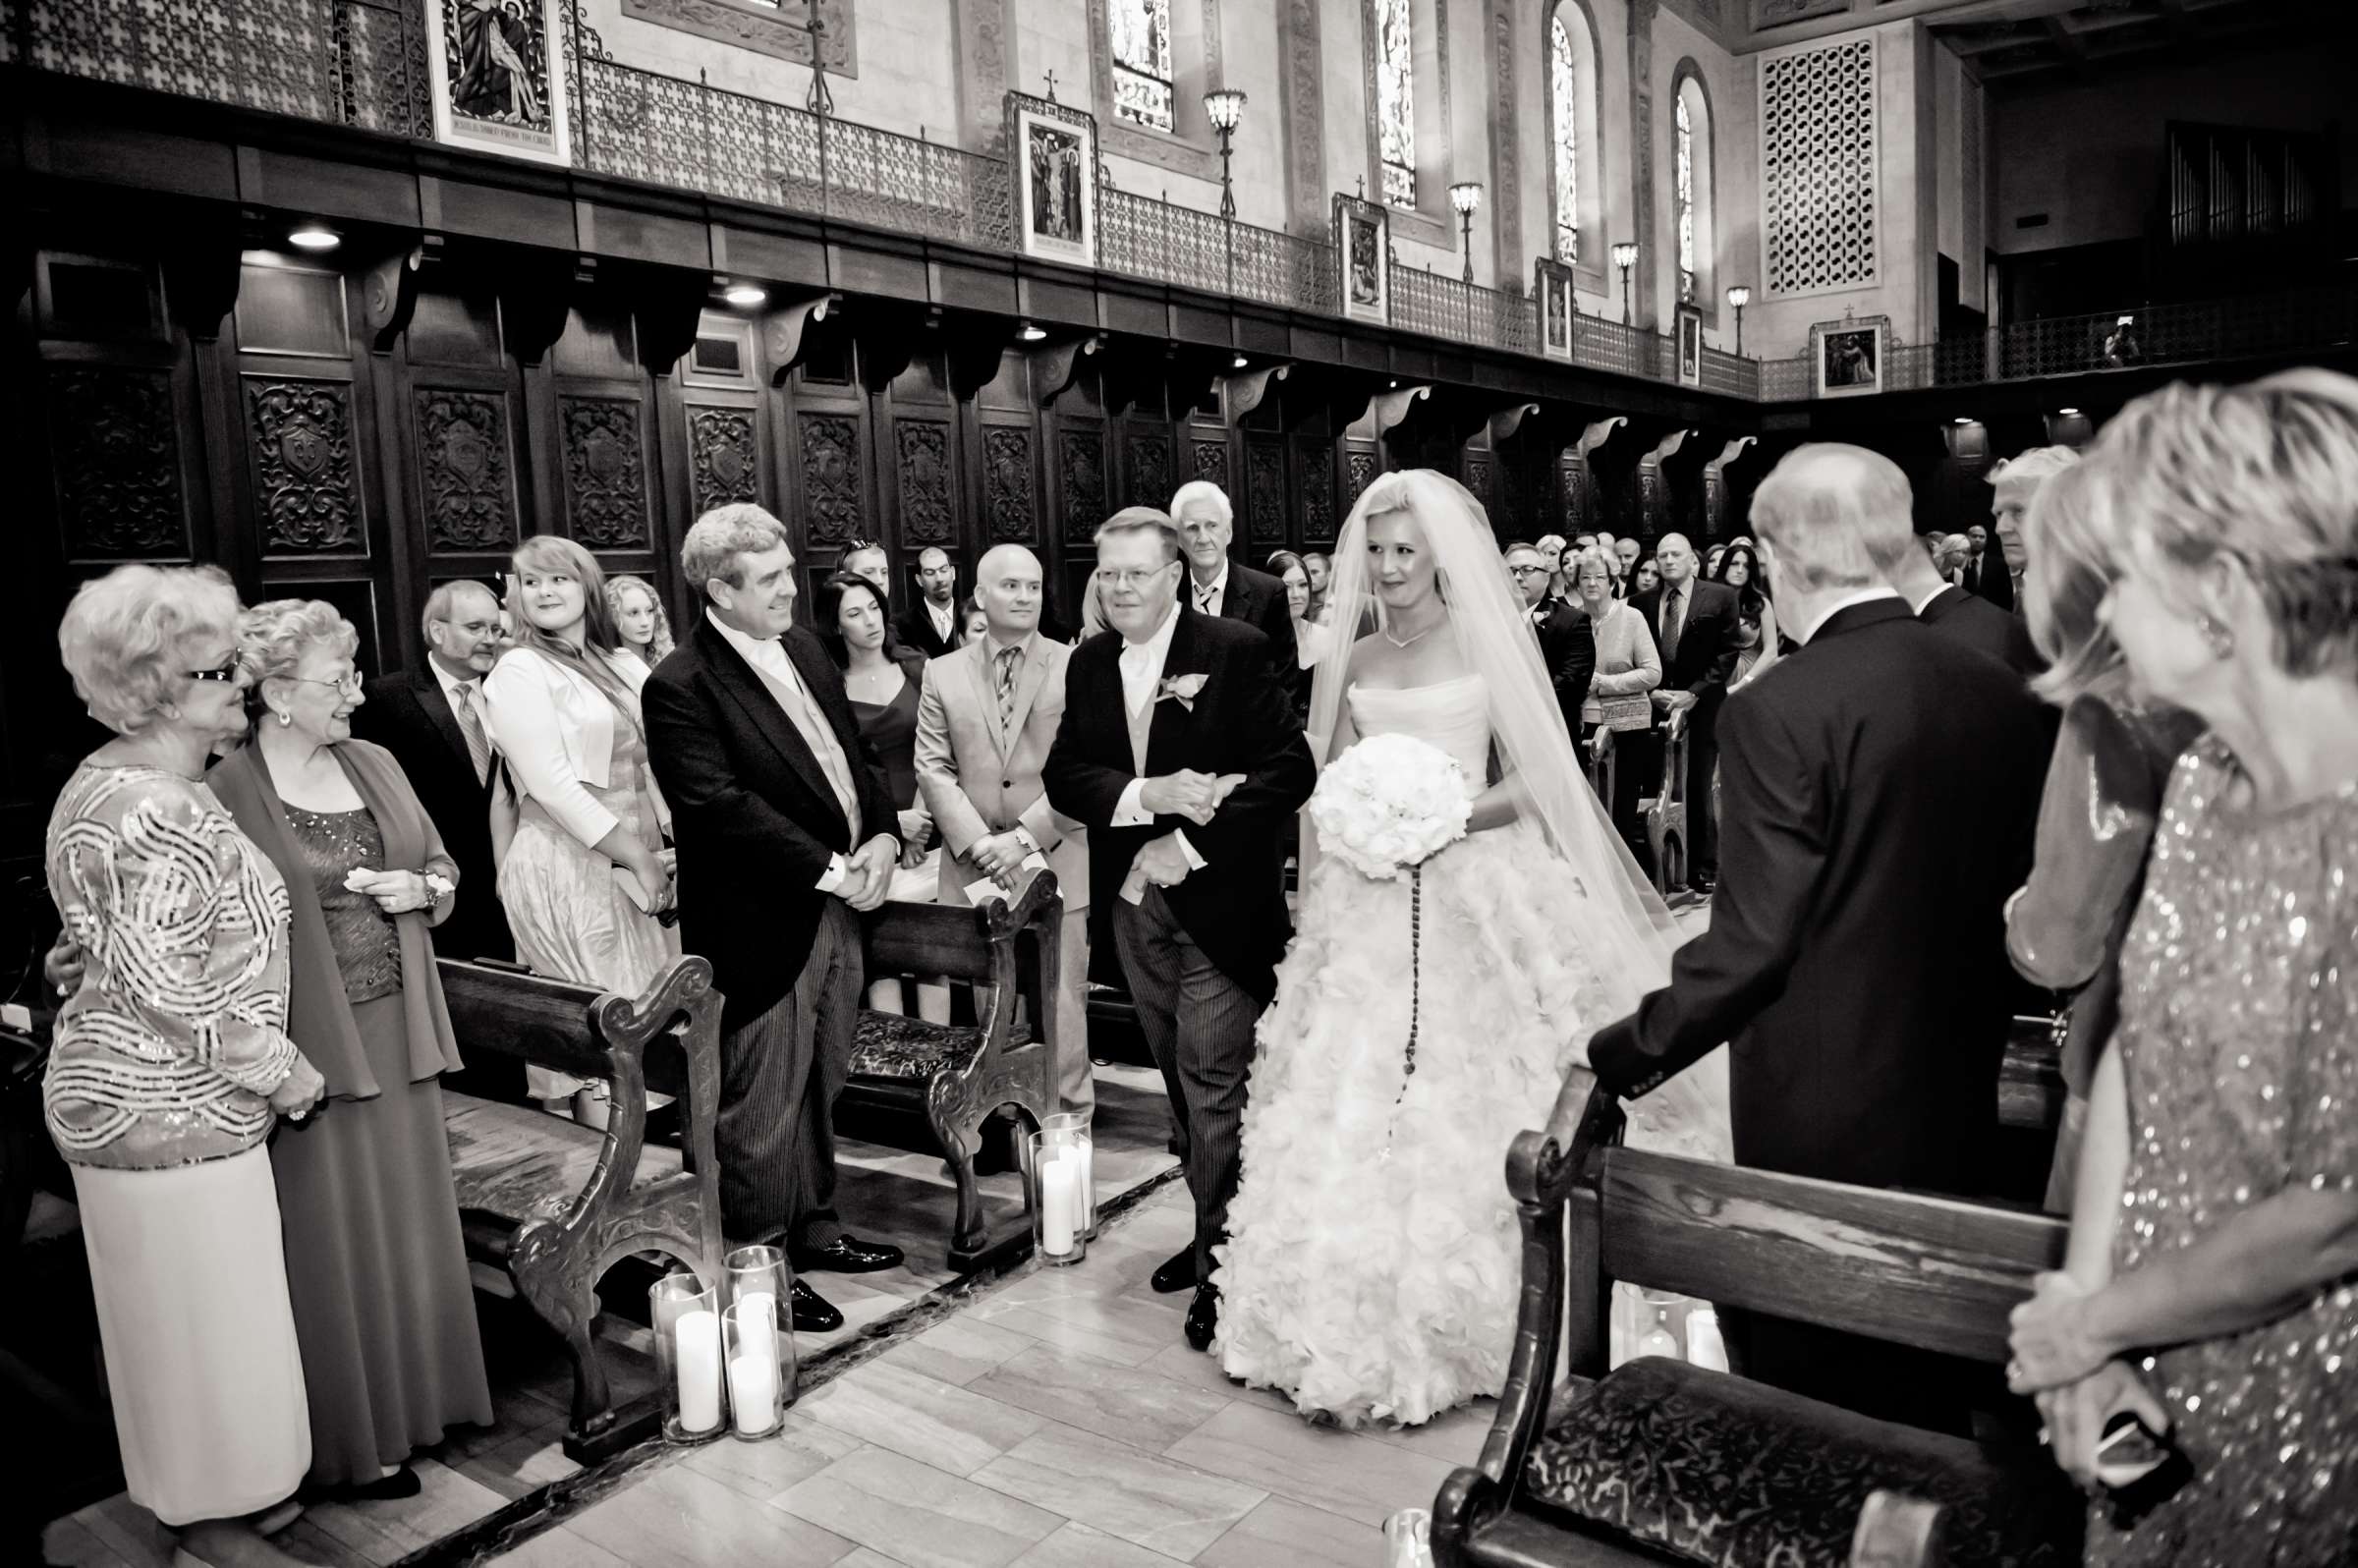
(779, 1077)
(1199, 1025)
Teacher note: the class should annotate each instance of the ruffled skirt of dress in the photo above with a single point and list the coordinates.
(1374, 1261)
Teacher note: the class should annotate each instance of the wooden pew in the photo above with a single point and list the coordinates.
(1665, 810)
(956, 1074)
(1932, 1273)
(555, 1204)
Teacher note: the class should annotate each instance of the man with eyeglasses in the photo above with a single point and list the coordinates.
(1180, 752)
(1567, 642)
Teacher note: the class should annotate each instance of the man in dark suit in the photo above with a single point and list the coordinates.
(931, 625)
(1693, 626)
(785, 832)
(1567, 642)
(1882, 785)
(431, 719)
(1218, 585)
(1954, 613)
(2015, 482)
(1181, 754)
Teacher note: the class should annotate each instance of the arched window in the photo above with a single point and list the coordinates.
(1564, 136)
(1395, 102)
(1142, 92)
(1691, 187)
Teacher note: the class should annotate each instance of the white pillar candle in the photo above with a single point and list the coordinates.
(695, 1351)
(1704, 1345)
(753, 1388)
(1059, 1201)
(757, 1322)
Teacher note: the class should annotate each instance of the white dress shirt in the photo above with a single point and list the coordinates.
(942, 616)
(1862, 596)
(1142, 672)
(463, 696)
(1922, 600)
(768, 655)
(1209, 600)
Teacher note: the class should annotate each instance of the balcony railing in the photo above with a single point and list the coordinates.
(363, 63)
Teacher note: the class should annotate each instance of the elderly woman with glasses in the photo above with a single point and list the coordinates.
(376, 1266)
(172, 1061)
(2207, 1286)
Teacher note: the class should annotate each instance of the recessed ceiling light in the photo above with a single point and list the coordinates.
(1031, 333)
(1962, 420)
(746, 295)
(2067, 413)
(1240, 363)
(314, 237)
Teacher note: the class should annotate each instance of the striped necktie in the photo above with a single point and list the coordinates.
(470, 725)
(1009, 657)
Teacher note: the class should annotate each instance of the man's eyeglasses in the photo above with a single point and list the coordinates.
(349, 685)
(1528, 571)
(1129, 578)
(225, 671)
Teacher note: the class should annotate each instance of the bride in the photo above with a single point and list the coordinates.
(1373, 1261)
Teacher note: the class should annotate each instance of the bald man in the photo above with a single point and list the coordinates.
(985, 723)
(1693, 626)
(1881, 786)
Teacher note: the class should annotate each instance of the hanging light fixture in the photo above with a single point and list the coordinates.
(744, 295)
(314, 237)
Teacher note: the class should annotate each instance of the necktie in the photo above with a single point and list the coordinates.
(1008, 658)
(1674, 605)
(1204, 592)
(470, 725)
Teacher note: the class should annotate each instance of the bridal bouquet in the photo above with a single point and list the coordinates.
(1389, 804)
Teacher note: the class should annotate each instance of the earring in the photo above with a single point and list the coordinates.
(285, 719)
(2220, 640)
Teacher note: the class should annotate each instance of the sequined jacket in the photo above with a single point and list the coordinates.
(169, 1050)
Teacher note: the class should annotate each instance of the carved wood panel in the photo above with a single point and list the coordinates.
(1080, 467)
(605, 472)
(1576, 486)
(1316, 457)
(116, 444)
(722, 460)
(464, 470)
(928, 513)
(1359, 472)
(1007, 501)
(1211, 462)
(831, 476)
(299, 434)
(1477, 477)
(1147, 454)
(1510, 521)
(1264, 491)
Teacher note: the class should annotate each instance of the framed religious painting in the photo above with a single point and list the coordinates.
(1552, 286)
(1054, 153)
(1846, 357)
(1363, 253)
(1690, 346)
(497, 72)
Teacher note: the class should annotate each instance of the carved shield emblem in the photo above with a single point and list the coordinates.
(464, 452)
(727, 465)
(601, 454)
(303, 450)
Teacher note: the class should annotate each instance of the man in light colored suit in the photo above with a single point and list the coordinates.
(984, 724)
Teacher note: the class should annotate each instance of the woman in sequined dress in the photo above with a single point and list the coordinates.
(376, 1266)
(2207, 1285)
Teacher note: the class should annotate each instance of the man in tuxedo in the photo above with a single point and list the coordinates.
(2016, 482)
(1218, 585)
(1954, 613)
(785, 831)
(931, 625)
(1180, 752)
(985, 723)
(1694, 625)
(432, 720)
(1567, 642)
(1882, 785)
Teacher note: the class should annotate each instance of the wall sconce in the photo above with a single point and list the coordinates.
(1226, 110)
(1466, 197)
(1626, 257)
(1739, 296)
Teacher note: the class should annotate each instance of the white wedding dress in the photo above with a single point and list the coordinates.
(1373, 1261)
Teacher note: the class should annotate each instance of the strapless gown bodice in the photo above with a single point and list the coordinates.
(1454, 715)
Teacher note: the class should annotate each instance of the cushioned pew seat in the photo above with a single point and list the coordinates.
(894, 1045)
(521, 1164)
(1707, 1468)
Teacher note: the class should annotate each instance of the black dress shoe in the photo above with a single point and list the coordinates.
(1177, 1273)
(813, 1315)
(1203, 1317)
(847, 1254)
(403, 1483)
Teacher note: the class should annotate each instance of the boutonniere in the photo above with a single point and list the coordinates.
(1183, 688)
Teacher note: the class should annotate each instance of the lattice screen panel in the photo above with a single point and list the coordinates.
(1818, 167)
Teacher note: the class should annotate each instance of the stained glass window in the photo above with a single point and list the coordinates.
(1686, 201)
(1565, 73)
(1395, 102)
(1142, 60)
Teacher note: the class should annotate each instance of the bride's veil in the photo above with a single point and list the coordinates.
(1626, 928)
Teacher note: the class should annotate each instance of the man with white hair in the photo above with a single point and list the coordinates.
(1878, 791)
(2016, 482)
(1218, 585)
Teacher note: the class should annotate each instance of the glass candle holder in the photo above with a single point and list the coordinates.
(1076, 1124)
(761, 1282)
(1665, 1314)
(757, 1379)
(684, 1314)
(1057, 1172)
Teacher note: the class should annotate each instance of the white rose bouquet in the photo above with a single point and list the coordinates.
(1389, 804)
